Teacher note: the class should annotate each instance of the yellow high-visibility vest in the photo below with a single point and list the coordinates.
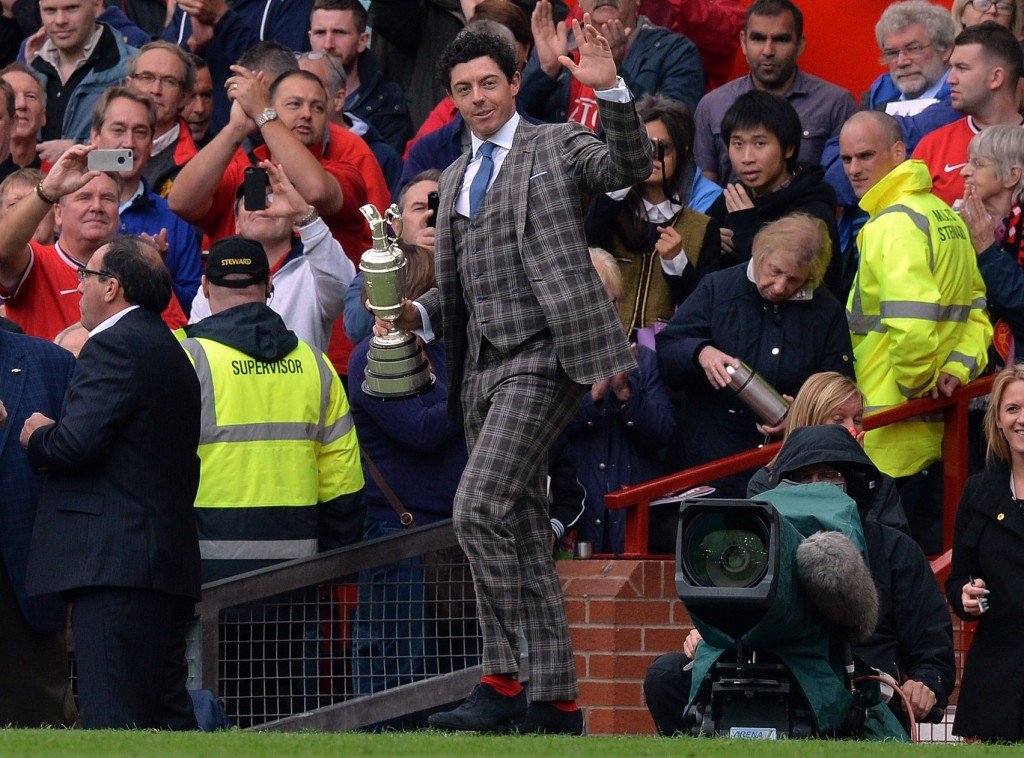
(916, 309)
(276, 439)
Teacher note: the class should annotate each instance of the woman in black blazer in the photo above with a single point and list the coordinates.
(985, 582)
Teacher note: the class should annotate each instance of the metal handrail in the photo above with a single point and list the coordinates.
(637, 498)
(281, 578)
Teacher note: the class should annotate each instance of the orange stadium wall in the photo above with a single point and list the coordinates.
(841, 43)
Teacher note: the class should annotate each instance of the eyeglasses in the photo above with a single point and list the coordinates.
(84, 273)
(1002, 9)
(914, 50)
(146, 78)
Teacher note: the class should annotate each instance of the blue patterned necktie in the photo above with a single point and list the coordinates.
(478, 188)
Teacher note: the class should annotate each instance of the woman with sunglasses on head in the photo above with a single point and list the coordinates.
(664, 231)
(832, 398)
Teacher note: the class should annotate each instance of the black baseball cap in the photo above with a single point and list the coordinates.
(237, 262)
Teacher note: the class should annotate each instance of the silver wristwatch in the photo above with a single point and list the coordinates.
(268, 115)
(309, 218)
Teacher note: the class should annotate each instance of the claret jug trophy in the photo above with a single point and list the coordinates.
(396, 367)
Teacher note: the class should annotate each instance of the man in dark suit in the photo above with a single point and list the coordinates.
(35, 689)
(527, 326)
(115, 532)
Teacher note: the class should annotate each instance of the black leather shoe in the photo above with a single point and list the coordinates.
(544, 718)
(485, 710)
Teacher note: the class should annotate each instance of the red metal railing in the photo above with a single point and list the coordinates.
(637, 499)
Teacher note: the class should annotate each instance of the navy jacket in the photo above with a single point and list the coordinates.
(784, 342)
(439, 149)
(381, 103)
(613, 445)
(883, 91)
(418, 450)
(1004, 287)
(390, 160)
(34, 376)
(117, 506)
(852, 218)
(150, 213)
(658, 61)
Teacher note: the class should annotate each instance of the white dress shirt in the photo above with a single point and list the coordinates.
(661, 214)
(106, 324)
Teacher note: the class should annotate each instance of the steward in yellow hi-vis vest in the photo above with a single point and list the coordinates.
(916, 310)
(281, 476)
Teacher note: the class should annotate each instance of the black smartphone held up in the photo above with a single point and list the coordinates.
(433, 203)
(254, 189)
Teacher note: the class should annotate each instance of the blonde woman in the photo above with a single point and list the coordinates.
(832, 398)
(972, 12)
(988, 568)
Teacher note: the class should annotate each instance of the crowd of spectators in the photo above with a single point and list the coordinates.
(782, 226)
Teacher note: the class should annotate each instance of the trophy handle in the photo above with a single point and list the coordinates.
(394, 217)
(378, 226)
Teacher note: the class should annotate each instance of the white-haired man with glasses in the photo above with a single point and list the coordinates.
(915, 39)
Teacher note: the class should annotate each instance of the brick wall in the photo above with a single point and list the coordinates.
(622, 615)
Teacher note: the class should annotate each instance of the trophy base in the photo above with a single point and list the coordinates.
(395, 390)
(396, 369)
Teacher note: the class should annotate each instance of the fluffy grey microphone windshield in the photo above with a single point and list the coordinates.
(838, 583)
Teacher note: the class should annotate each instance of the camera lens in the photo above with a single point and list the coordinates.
(726, 550)
(735, 560)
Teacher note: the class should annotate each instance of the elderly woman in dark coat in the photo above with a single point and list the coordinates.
(993, 209)
(770, 313)
(988, 570)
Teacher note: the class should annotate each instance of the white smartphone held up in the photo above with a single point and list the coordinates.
(111, 160)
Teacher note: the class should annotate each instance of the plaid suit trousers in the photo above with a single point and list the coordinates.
(513, 408)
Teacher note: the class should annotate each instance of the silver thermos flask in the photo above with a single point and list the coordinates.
(759, 396)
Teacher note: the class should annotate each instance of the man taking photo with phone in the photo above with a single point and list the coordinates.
(309, 272)
(126, 119)
(39, 283)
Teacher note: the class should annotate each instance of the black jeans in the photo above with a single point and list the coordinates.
(921, 495)
(667, 691)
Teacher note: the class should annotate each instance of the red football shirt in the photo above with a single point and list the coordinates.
(45, 302)
(355, 170)
(349, 160)
(945, 153)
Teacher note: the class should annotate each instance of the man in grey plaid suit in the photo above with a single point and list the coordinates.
(527, 327)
